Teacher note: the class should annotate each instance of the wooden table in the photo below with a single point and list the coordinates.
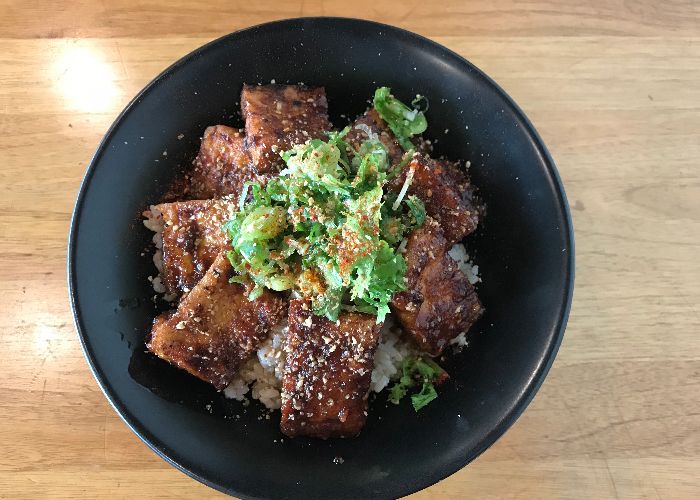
(614, 89)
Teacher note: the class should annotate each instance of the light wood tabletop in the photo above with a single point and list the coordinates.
(614, 90)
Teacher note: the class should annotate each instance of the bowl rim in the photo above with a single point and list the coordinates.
(537, 377)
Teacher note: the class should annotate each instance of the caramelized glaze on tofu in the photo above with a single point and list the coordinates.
(222, 166)
(192, 238)
(215, 328)
(439, 302)
(446, 192)
(279, 116)
(327, 373)
(375, 124)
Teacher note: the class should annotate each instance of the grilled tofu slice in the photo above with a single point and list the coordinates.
(439, 302)
(215, 328)
(375, 124)
(222, 166)
(191, 238)
(279, 116)
(327, 373)
(446, 192)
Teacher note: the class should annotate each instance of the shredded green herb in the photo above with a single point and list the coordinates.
(325, 227)
(403, 121)
(420, 372)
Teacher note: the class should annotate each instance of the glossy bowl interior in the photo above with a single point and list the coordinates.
(524, 250)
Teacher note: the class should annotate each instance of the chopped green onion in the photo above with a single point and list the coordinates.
(403, 121)
(326, 228)
(417, 371)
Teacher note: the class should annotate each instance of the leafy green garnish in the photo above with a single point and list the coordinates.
(417, 371)
(326, 228)
(403, 121)
(425, 396)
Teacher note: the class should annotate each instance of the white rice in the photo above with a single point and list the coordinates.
(390, 353)
(460, 341)
(466, 265)
(154, 221)
(471, 270)
(262, 373)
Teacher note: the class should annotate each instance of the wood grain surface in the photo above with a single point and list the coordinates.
(612, 86)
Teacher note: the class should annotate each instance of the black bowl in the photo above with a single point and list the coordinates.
(524, 250)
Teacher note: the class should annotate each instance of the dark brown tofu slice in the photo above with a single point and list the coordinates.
(222, 166)
(374, 123)
(215, 328)
(327, 373)
(279, 116)
(446, 192)
(192, 238)
(439, 302)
